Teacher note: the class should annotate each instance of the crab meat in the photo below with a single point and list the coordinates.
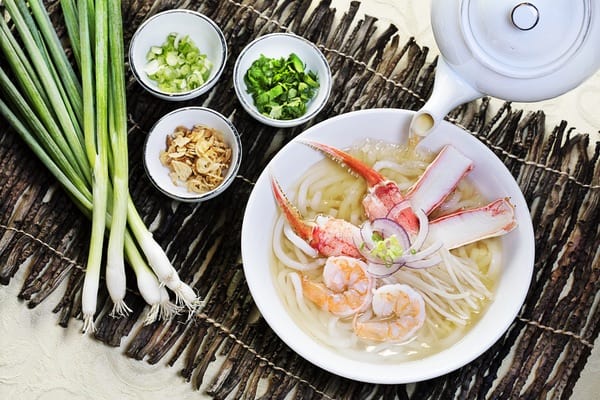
(439, 179)
(329, 236)
(468, 226)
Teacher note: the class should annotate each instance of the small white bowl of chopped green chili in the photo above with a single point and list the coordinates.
(178, 54)
(282, 79)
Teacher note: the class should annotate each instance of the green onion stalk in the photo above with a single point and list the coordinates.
(115, 265)
(51, 85)
(76, 124)
(95, 131)
(69, 9)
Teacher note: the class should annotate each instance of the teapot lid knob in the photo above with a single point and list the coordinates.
(525, 16)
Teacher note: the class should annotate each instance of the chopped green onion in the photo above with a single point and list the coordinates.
(281, 87)
(388, 249)
(177, 65)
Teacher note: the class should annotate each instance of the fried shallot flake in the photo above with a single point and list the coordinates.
(197, 158)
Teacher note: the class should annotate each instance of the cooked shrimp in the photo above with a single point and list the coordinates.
(399, 312)
(346, 286)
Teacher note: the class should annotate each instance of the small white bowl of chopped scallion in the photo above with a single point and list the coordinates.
(178, 54)
(282, 79)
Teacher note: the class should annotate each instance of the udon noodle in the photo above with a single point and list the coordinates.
(456, 292)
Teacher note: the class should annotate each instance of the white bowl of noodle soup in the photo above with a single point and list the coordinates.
(492, 179)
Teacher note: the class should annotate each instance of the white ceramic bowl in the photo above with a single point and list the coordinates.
(188, 117)
(205, 34)
(278, 45)
(491, 177)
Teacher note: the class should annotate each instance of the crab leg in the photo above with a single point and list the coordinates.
(329, 236)
(439, 179)
(464, 227)
(382, 194)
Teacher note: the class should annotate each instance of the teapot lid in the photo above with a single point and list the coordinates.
(525, 39)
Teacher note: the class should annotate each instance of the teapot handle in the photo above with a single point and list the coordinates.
(449, 91)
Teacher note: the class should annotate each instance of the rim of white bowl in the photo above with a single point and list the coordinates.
(233, 168)
(251, 108)
(189, 94)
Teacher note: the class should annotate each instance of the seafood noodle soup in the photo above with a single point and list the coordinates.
(372, 295)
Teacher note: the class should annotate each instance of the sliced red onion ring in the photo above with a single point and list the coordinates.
(366, 253)
(366, 233)
(423, 229)
(363, 247)
(421, 255)
(426, 263)
(388, 227)
(358, 240)
(365, 244)
(381, 270)
(398, 209)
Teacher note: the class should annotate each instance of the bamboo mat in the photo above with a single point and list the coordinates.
(540, 356)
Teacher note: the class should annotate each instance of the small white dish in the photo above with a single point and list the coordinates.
(491, 177)
(188, 117)
(277, 45)
(205, 34)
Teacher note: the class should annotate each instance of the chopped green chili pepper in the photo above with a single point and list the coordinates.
(281, 87)
(177, 66)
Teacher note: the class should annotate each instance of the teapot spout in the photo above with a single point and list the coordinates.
(449, 91)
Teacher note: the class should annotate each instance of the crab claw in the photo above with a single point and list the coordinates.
(329, 236)
(382, 196)
(464, 227)
(372, 177)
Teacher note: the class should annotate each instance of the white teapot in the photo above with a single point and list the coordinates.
(512, 50)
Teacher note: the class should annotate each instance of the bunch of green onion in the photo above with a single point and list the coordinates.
(75, 121)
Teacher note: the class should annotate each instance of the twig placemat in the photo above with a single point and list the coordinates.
(542, 353)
